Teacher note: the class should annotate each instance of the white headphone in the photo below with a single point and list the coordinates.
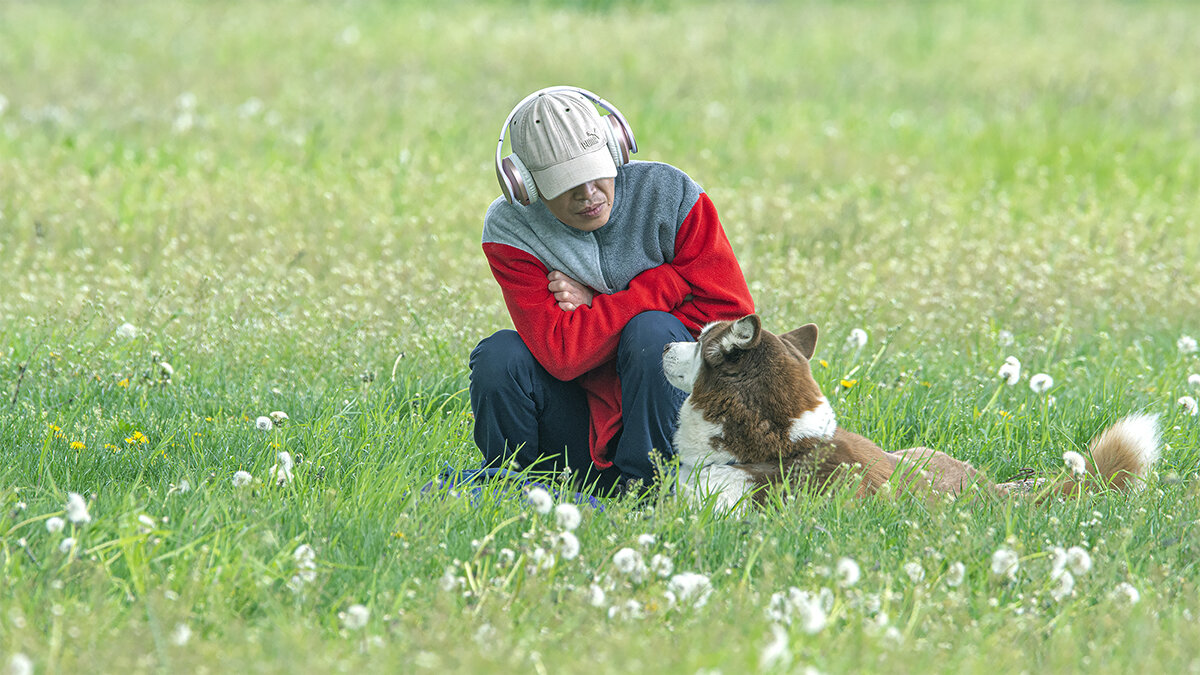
(517, 182)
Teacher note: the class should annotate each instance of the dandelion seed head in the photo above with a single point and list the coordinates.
(1075, 462)
(19, 664)
(1189, 405)
(181, 634)
(1010, 372)
(1126, 594)
(263, 423)
(1063, 584)
(857, 339)
(1079, 560)
(776, 654)
(66, 544)
(55, 524)
(662, 565)
(915, 571)
(540, 500)
(567, 516)
(596, 596)
(568, 545)
(242, 479)
(127, 331)
(629, 562)
(645, 540)
(278, 417)
(355, 617)
(1005, 563)
(1005, 338)
(1186, 344)
(77, 509)
(847, 572)
(690, 588)
(1041, 383)
(956, 574)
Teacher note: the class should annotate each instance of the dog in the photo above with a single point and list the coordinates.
(754, 418)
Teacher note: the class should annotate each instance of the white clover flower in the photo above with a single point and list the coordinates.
(77, 509)
(629, 562)
(1126, 594)
(956, 574)
(1005, 563)
(1010, 372)
(1005, 338)
(1186, 344)
(540, 500)
(1064, 585)
(690, 588)
(1079, 560)
(66, 544)
(1041, 383)
(55, 524)
(645, 540)
(279, 417)
(846, 572)
(242, 479)
(1075, 462)
(127, 331)
(857, 339)
(568, 545)
(355, 617)
(567, 516)
(914, 571)
(181, 634)
(19, 664)
(662, 565)
(1189, 405)
(776, 654)
(597, 596)
(263, 423)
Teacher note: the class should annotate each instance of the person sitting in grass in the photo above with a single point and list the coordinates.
(602, 261)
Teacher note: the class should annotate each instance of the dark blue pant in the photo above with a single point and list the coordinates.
(520, 408)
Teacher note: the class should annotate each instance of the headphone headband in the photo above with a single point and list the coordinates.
(511, 181)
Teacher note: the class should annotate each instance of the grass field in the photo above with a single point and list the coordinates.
(283, 201)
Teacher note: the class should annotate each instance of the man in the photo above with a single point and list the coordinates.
(609, 261)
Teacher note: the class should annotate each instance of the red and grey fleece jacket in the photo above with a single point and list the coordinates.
(663, 248)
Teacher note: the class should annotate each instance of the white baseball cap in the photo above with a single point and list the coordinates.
(560, 138)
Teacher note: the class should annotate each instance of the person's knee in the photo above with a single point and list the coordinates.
(646, 334)
(498, 357)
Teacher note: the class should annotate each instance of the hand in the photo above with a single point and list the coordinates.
(569, 294)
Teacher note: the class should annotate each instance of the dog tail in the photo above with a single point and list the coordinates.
(1121, 456)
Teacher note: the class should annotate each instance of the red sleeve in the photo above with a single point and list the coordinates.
(569, 344)
(705, 260)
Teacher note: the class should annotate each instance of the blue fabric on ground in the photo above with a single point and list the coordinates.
(470, 482)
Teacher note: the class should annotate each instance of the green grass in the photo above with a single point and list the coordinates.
(285, 199)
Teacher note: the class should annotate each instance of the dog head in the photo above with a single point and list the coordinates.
(743, 354)
(751, 394)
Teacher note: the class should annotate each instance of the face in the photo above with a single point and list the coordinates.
(585, 207)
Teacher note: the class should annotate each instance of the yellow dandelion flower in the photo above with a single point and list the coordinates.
(55, 427)
(139, 437)
(849, 383)
(77, 445)
(824, 363)
(123, 383)
(1003, 413)
(207, 419)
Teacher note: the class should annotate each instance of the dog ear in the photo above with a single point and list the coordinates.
(803, 338)
(743, 333)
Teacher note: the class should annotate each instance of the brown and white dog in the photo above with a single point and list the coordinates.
(755, 417)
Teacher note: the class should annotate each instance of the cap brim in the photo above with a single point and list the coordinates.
(558, 178)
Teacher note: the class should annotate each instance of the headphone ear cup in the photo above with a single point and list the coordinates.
(524, 190)
(620, 140)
